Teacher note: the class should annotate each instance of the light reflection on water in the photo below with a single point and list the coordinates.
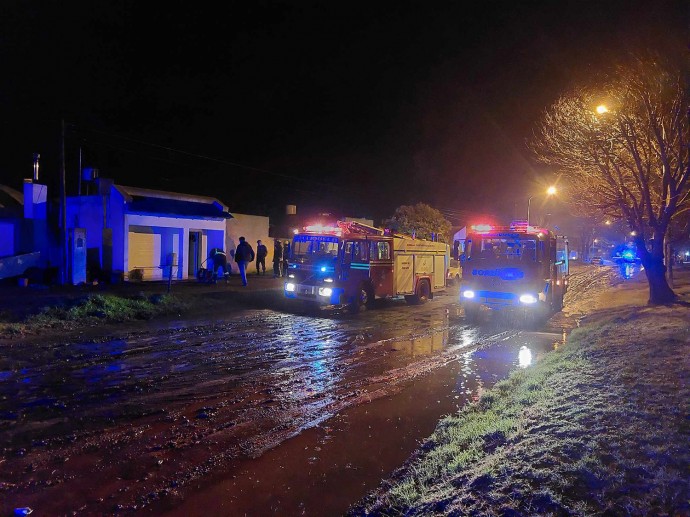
(427, 344)
(627, 270)
(524, 357)
(482, 368)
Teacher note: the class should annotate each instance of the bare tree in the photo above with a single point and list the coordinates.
(622, 148)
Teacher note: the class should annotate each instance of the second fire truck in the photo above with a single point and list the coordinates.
(519, 267)
(353, 263)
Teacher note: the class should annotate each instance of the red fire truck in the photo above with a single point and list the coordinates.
(518, 267)
(353, 263)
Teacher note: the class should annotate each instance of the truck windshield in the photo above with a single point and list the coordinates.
(502, 248)
(314, 246)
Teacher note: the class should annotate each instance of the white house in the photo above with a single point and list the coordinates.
(141, 233)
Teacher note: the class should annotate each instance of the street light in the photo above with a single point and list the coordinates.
(549, 192)
(601, 109)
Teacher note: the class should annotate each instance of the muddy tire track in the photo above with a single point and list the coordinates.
(120, 422)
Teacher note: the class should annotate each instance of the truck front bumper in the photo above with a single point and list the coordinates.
(498, 300)
(324, 295)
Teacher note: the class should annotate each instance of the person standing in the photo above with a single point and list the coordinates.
(277, 258)
(261, 252)
(244, 254)
(286, 255)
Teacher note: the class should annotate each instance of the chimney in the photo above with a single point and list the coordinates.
(36, 158)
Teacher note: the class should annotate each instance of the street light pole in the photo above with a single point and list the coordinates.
(549, 192)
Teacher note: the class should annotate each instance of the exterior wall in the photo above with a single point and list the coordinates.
(34, 233)
(87, 212)
(35, 200)
(118, 234)
(174, 238)
(252, 228)
(7, 238)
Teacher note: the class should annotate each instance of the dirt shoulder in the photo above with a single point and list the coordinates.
(64, 311)
(600, 426)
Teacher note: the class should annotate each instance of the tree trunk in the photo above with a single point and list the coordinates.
(659, 291)
(668, 258)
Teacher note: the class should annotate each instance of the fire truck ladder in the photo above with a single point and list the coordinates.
(356, 227)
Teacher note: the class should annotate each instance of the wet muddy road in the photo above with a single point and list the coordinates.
(262, 412)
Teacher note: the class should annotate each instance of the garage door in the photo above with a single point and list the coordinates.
(145, 254)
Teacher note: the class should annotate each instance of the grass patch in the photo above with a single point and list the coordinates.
(96, 309)
(598, 426)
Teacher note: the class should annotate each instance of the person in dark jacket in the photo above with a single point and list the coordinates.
(219, 261)
(277, 258)
(286, 255)
(261, 252)
(244, 254)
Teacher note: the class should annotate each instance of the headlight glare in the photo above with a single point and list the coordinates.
(528, 298)
(290, 287)
(468, 294)
(325, 291)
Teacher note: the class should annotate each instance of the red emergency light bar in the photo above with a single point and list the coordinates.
(516, 227)
(322, 228)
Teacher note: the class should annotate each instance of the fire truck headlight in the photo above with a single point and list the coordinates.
(468, 294)
(325, 291)
(329, 280)
(291, 275)
(290, 287)
(528, 298)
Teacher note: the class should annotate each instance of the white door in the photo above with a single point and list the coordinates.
(144, 252)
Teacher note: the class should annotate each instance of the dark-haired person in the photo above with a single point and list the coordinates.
(244, 254)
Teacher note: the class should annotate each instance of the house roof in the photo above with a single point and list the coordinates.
(148, 201)
(10, 198)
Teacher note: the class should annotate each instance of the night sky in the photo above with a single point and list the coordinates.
(347, 107)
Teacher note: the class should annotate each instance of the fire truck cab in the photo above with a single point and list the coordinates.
(353, 263)
(519, 267)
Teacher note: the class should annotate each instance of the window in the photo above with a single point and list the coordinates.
(503, 249)
(305, 246)
(380, 250)
(347, 252)
(360, 251)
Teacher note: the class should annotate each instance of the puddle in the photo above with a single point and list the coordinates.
(329, 405)
(326, 469)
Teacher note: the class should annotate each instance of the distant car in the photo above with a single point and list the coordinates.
(453, 277)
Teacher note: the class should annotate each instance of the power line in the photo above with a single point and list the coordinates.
(221, 161)
(166, 160)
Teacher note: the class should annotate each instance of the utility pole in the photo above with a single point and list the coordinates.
(79, 170)
(63, 207)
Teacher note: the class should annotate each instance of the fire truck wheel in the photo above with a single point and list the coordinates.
(423, 294)
(424, 291)
(365, 299)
